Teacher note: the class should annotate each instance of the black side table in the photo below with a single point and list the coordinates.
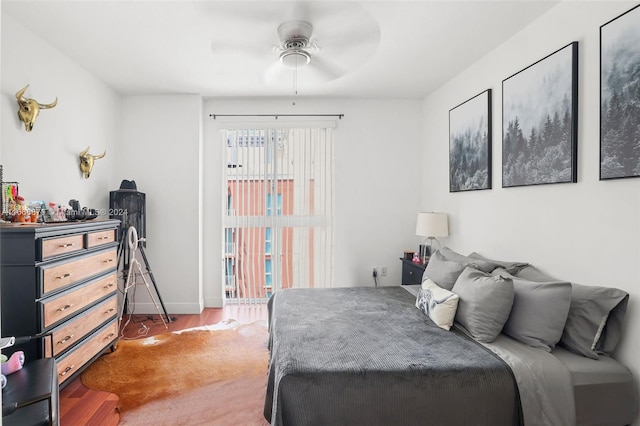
(33, 390)
(412, 272)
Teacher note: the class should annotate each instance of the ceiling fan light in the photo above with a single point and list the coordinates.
(295, 58)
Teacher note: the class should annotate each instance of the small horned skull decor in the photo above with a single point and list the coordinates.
(87, 160)
(30, 108)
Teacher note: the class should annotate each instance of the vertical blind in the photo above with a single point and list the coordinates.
(278, 210)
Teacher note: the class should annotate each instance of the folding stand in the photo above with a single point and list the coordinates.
(133, 267)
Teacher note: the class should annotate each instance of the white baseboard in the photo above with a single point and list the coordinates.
(214, 302)
(172, 308)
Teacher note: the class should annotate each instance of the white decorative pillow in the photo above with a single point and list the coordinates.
(437, 303)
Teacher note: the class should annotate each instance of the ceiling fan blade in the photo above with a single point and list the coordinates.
(249, 12)
(350, 47)
(336, 17)
(352, 36)
(309, 11)
(272, 13)
(275, 72)
(239, 49)
(324, 69)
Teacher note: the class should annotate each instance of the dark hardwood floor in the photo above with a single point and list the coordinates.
(80, 405)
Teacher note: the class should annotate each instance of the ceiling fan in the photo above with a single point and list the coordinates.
(296, 44)
(317, 41)
(298, 50)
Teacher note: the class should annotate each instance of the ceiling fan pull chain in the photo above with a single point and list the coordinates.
(295, 79)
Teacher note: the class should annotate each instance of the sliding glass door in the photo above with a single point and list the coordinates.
(278, 210)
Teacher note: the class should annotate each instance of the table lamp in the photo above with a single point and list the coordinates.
(431, 225)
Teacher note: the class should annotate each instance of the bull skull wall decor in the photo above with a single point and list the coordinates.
(87, 160)
(30, 108)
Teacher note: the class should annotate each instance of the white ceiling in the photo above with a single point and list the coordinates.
(400, 49)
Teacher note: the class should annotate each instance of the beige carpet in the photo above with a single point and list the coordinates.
(197, 377)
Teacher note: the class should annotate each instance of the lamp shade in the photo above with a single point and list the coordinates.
(432, 224)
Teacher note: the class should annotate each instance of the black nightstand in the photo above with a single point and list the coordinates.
(31, 394)
(412, 272)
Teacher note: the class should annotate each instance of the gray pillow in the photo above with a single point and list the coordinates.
(594, 324)
(510, 267)
(532, 273)
(442, 271)
(467, 260)
(485, 303)
(539, 311)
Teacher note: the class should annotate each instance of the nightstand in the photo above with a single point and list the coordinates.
(412, 272)
(31, 394)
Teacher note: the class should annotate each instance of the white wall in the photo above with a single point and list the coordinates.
(587, 232)
(160, 151)
(45, 161)
(153, 140)
(156, 141)
(376, 184)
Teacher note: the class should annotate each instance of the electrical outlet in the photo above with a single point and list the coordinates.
(383, 271)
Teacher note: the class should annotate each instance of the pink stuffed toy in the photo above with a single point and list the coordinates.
(13, 364)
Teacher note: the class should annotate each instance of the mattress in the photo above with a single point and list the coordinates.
(368, 356)
(413, 288)
(604, 390)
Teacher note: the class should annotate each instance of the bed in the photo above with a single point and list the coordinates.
(368, 356)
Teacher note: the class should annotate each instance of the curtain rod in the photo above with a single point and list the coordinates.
(276, 115)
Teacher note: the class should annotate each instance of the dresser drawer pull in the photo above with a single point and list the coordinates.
(66, 370)
(67, 275)
(66, 245)
(109, 311)
(108, 285)
(65, 307)
(109, 336)
(107, 261)
(102, 238)
(65, 340)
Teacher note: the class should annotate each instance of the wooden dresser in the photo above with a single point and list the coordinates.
(61, 278)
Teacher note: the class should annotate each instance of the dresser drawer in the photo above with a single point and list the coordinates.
(62, 306)
(60, 279)
(411, 277)
(67, 334)
(51, 247)
(95, 239)
(73, 361)
(411, 272)
(61, 275)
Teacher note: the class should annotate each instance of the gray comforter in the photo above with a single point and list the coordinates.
(367, 356)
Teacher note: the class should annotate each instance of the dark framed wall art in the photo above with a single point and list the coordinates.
(540, 121)
(470, 144)
(620, 96)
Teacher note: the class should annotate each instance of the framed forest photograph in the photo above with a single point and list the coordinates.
(470, 144)
(540, 121)
(620, 96)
